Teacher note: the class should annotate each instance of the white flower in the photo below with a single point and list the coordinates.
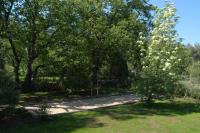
(164, 69)
(172, 57)
(139, 42)
(153, 37)
(166, 39)
(171, 74)
(140, 34)
(167, 65)
(156, 58)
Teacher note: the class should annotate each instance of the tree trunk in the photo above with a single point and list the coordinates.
(16, 71)
(2, 63)
(94, 78)
(29, 75)
(149, 98)
(95, 69)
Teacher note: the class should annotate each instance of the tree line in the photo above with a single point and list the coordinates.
(88, 44)
(94, 39)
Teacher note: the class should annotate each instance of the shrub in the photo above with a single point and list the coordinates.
(192, 90)
(154, 86)
(194, 71)
(8, 94)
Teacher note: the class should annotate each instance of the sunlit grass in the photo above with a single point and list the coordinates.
(179, 116)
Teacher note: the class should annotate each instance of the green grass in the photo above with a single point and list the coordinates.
(180, 116)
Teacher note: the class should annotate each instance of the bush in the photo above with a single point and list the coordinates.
(195, 93)
(154, 86)
(191, 90)
(194, 71)
(8, 95)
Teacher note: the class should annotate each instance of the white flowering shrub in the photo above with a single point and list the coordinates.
(163, 56)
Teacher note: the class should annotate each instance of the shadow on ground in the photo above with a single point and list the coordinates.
(66, 123)
(141, 110)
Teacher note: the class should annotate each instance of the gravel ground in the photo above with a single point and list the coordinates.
(84, 104)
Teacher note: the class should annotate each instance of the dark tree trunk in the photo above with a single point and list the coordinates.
(149, 98)
(32, 55)
(95, 69)
(16, 71)
(118, 69)
(29, 75)
(137, 63)
(2, 63)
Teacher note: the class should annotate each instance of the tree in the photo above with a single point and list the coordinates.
(195, 51)
(7, 33)
(54, 38)
(163, 56)
(40, 23)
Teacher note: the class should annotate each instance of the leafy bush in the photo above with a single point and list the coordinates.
(192, 89)
(194, 71)
(8, 95)
(195, 93)
(154, 86)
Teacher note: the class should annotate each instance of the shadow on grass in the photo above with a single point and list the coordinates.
(141, 110)
(67, 123)
(23, 122)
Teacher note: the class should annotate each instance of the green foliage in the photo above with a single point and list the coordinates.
(164, 58)
(8, 94)
(194, 71)
(195, 51)
(154, 86)
(191, 89)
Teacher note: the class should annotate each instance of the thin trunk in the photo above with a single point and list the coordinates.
(149, 98)
(29, 75)
(16, 71)
(2, 63)
(95, 69)
(94, 78)
(61, 79)
(32, 55)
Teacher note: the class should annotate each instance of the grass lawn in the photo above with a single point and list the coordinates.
(179, 116)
